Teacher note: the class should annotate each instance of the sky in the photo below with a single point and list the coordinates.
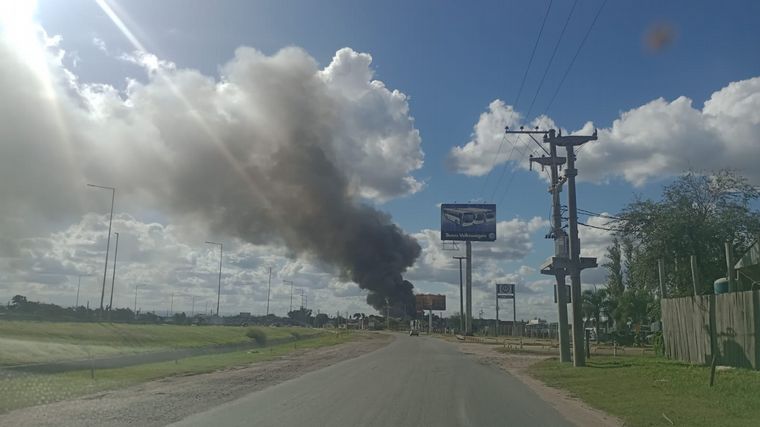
(182, 106)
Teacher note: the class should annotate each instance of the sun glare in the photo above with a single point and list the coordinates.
(19, 29)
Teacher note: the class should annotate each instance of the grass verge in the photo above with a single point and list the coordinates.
(644, 390)
(22, 390)
(34, 342)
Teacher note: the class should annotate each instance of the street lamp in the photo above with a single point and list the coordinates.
(113, 278)
(79, 284)
(108, 244)
(219, 290)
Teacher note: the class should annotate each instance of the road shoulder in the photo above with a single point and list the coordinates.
(573, 409)
(161, 402)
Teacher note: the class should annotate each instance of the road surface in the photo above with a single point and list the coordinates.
(413, 381)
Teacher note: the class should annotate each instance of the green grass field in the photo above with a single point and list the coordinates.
(32, 342)
(641, 389)
(33, 389)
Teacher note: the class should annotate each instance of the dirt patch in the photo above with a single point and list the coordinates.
(573, 409)
(171, 399)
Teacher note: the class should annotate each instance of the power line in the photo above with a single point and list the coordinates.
(601, 215)
(519, 94)
(597, 227)
(577, 52)
(503, 170)
(551, 59)
(512, 175)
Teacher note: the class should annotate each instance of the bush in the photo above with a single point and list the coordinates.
(257, 335)
(296, 335)
(659, 344)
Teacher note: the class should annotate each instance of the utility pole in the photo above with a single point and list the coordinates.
(468, 277)
(79, 283)
(576, 263)
(553, 162)
(461, 299)
(113, 278)
(269, 288)
(219, 289)
(561, 265)
(291, 293)
(192, 311)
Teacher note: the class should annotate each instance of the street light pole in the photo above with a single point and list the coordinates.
(269, 288)
(79, 283)
(219, 290)
(113, 278)
(108, 243)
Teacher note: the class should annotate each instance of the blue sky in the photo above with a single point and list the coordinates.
(453, 59)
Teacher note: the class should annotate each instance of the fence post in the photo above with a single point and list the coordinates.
(730, 267)
(694, 274)
(661, 274)
(756, 315)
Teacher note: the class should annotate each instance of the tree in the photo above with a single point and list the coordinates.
(593, 305)
(321, 320)
(614, 266)
(302, 315)
(695, 216)
(18, 300)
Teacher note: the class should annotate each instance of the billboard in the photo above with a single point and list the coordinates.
(468, 222)
(505, 290)
(430, 302)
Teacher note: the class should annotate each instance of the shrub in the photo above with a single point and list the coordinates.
(296, 335)
(257, 335)
(659, 344)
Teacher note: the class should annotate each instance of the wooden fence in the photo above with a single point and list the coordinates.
(728, 323)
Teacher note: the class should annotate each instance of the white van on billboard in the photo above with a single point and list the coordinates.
(475, 222)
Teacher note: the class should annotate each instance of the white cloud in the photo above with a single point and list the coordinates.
(100, 44)
(658, 139)
(178, 142)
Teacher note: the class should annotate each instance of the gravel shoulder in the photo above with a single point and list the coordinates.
(573, 409)
(171, 399)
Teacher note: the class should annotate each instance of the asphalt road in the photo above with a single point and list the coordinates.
(413, 381)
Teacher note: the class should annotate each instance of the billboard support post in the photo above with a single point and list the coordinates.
(497, 313)
(507, 291)
(468, 277)
(514, 311)
(461, 295)
(468, 223)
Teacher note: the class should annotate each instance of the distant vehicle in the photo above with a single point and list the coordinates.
(414, 328)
